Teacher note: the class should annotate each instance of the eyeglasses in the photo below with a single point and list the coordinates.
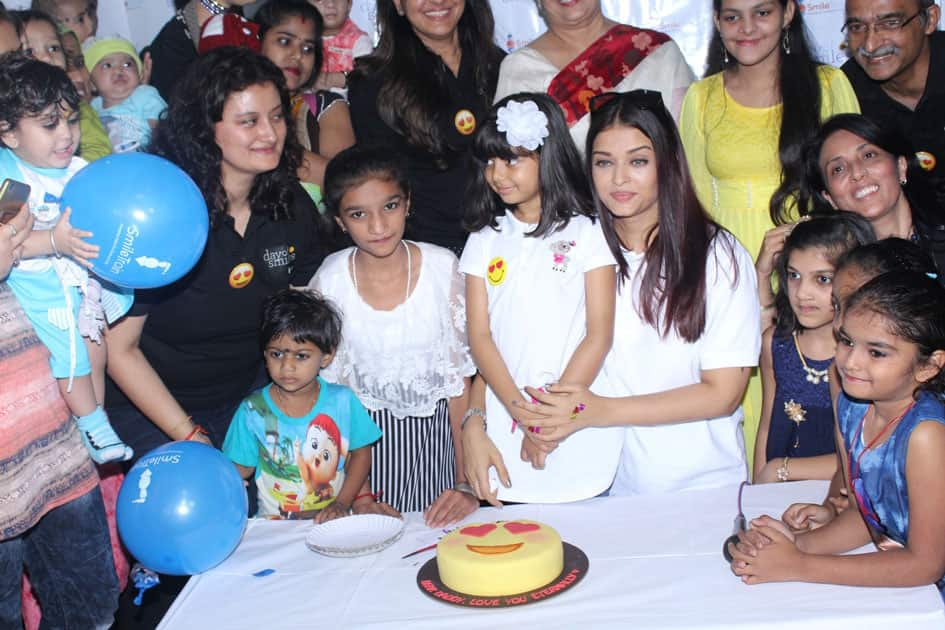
(886, 26)
(644, 99)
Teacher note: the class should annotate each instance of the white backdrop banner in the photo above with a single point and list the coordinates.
(689, 22)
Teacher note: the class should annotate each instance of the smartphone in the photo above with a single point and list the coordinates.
(13, 195)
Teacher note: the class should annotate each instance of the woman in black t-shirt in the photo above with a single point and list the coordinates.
(187, 353)
(422, 92)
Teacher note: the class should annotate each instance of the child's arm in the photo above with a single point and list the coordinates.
(453, 505)
(334, 130)
(329, 80)
(357, 467)
(600, 286)
(132, 372)
(61, 240)
(719, 393)
(479, 452)
(312, 168)
(768, 388)
(921, 561)
(484, 351)
(245, 471)
(799, 468)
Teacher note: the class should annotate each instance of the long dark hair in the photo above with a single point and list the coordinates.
(918, 190)
(801, 97)
(672, 289)
(914, 307)
(414, 88)
(835, 233)
(562, 185)
(275, 12)
(186, 134)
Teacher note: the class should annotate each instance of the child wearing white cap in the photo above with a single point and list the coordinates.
(128, 109)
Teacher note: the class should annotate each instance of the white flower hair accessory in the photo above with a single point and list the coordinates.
(524, 124)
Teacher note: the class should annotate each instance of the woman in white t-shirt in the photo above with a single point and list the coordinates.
(686, 333)
(404, 350)
(540, 291)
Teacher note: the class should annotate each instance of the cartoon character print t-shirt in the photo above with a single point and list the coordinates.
(299, 462)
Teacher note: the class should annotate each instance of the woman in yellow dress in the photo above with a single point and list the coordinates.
(744, 127)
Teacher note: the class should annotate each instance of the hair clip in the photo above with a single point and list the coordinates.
(523, 123)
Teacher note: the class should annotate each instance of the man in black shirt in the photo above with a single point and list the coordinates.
(897, 70)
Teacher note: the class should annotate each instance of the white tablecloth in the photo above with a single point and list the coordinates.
(655, 562)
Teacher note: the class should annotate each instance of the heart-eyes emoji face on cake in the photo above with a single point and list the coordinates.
(503, 537)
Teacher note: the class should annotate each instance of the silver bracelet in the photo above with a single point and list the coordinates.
(473, 411)
(52, 242)
(462, 486)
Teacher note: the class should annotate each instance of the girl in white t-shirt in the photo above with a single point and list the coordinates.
(540, 290)
(404, 350)
(687, 332)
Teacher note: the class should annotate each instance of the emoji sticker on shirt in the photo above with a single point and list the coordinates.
(497, 271)
(241, 275)
(926, 160)
(465, 122)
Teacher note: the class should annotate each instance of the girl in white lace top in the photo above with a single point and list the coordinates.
(404, 350)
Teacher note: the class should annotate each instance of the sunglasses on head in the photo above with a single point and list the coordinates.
(644, 99)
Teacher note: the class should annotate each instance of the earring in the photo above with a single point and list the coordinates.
(724, 56)
(903, 181)
(786, 42)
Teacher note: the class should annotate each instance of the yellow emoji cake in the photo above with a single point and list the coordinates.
(500, 558)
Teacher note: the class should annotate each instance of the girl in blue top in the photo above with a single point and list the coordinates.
(891, 422)
(795, 438)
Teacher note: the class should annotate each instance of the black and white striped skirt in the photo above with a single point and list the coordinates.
(414, 461)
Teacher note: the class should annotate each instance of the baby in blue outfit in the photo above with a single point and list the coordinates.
(127, 109)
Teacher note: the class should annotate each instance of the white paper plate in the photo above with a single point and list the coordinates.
(355, 535)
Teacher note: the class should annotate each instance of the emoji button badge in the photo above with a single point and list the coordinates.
(497, 271)
(241, 275)
(465, 122)
(926, 160)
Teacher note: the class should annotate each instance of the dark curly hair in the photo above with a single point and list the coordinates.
(275, 12)
(186, 134)
(302, 315)
(28, 87)
(914, 308)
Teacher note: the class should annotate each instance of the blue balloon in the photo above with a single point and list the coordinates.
(147, 216)
(182, 508)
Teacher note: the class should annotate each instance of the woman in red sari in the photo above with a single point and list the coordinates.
(583, 54)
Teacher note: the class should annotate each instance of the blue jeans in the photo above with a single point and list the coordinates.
(68, 556)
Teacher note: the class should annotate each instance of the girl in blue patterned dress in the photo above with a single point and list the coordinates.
(891, 418)
(796, 434)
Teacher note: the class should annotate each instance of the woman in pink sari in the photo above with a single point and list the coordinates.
(583, 54)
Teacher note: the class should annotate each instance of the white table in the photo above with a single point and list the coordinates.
(655, 562)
